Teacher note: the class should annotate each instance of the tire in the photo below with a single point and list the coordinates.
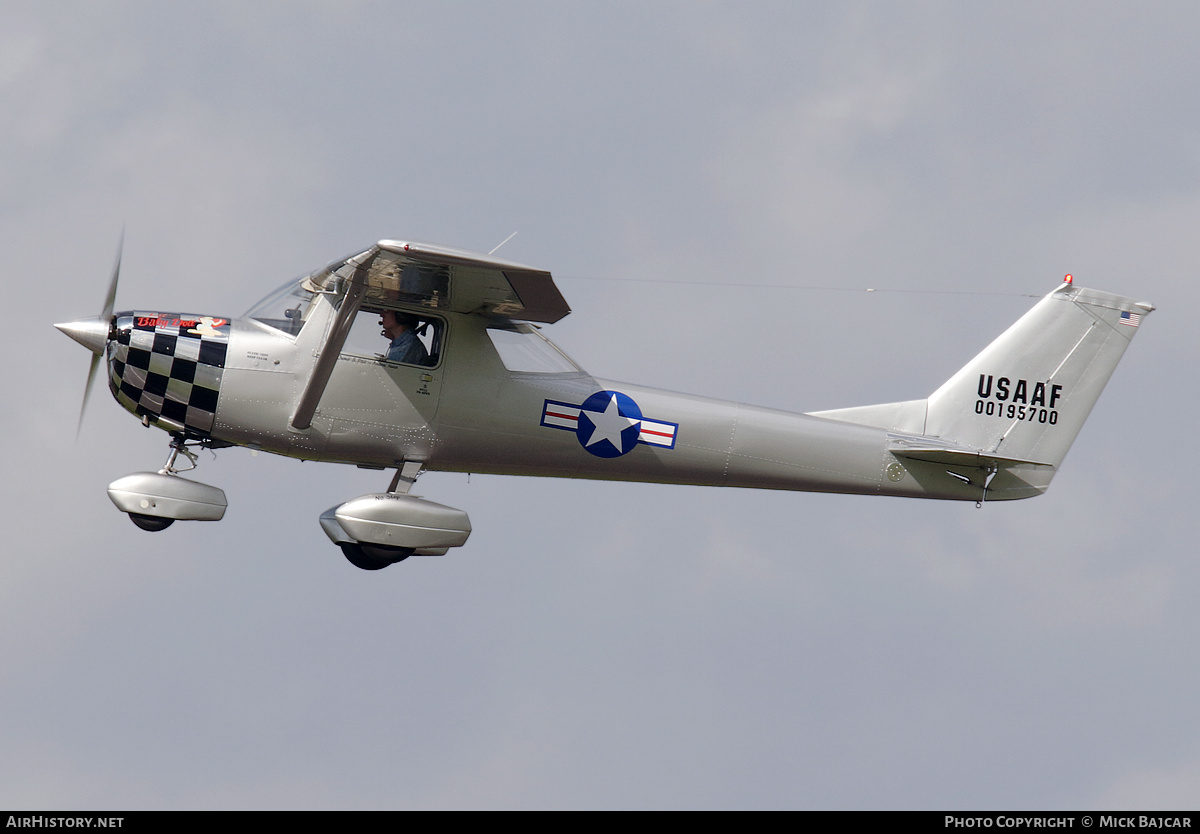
(373, 556)
(153, 523)
(385, 551)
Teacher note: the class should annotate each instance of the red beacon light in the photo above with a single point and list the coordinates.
(1068, 278)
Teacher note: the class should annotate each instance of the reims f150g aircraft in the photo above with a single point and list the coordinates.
(468, 383)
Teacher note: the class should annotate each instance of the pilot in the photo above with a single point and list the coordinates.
(405, 346)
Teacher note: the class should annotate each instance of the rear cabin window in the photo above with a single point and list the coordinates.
(523, 349)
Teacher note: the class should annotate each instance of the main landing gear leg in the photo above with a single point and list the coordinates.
(377, 556)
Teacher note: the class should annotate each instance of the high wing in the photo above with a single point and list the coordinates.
(456, 280)
(395, 273)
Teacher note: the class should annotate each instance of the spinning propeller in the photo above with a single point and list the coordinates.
(93, 333)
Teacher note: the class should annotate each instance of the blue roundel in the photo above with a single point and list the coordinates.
(609, 424)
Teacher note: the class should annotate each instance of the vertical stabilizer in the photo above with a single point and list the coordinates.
(1028, 393)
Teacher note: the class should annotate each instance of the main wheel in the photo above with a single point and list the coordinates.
(153, 523)
(373, 556)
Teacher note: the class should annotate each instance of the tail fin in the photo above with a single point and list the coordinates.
(1028, 393)
(1022, 401)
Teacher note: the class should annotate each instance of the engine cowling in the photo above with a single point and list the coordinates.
(166, 368)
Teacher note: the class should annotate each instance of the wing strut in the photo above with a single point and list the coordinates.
(332, 347)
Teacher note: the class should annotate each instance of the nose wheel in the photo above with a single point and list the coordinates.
(155, 523)
(156, 500)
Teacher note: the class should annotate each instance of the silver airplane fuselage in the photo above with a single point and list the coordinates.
(472, 414)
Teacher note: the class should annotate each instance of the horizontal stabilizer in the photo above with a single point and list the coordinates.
(959, 457)
(998, 478)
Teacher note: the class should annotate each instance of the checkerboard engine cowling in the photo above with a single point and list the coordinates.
(169, 367)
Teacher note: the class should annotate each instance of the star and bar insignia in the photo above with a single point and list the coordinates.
(608, 424)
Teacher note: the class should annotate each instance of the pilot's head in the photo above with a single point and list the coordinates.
(395, 324)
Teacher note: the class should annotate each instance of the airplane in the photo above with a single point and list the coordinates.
(469, 383)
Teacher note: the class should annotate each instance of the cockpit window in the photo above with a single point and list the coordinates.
(523, 349)
(286, 308)
(396, 336)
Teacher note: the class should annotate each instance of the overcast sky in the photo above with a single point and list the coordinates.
(602, 645)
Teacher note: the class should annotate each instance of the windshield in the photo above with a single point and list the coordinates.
(286, 308)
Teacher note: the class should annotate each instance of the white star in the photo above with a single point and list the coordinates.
(609, 424)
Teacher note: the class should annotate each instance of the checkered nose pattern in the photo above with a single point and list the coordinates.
(167, 367)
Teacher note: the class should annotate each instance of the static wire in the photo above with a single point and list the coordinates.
(809, 287)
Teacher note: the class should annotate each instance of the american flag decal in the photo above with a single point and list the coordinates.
(1131, 319)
